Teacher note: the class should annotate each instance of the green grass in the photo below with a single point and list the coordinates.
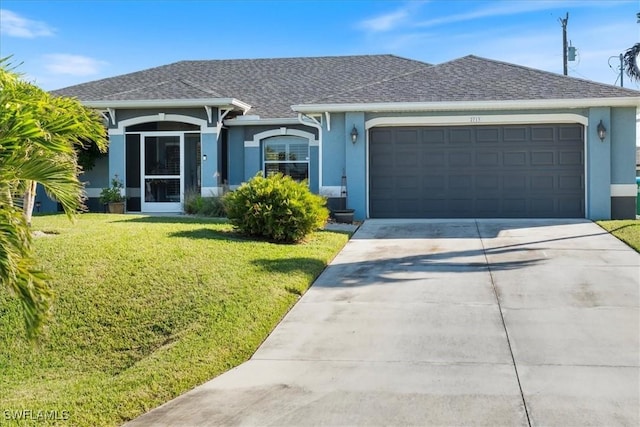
(626, 230)
(146, 309)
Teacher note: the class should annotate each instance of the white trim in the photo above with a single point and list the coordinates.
(474, 120)
(256, 121)
(280, 132)
(163, 103)
(160, 117)
(211, 191)
(624, 190)
(209, 110)
(631, 101)
(331, 191)
(161, 206)
(312, 122)
(587, 213)
(112, 115)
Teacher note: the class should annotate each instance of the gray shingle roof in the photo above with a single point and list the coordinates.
(271, 86)
(472, 78)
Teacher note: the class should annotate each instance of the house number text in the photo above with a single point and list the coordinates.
(474, 119)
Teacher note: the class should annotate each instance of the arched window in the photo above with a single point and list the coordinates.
(288, 155)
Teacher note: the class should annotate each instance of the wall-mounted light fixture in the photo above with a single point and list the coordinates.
(354, 134)
(602, 131)
(204, 157)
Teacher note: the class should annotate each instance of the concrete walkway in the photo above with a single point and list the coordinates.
(446, 322)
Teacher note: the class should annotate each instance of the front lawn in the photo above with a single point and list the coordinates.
(626, 230)
(147, 308)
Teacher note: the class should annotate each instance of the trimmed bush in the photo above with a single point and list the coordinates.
(277, 208)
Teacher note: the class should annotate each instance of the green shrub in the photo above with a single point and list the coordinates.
(212, 207)
(277, 208)
(192, 202)
(195, 204)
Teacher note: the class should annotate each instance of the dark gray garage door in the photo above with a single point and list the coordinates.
(477, 172)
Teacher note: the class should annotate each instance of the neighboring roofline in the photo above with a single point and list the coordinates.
(241, 121)
(469, 105)
(167, 103)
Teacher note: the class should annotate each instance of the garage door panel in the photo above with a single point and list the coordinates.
(434, 183)
(543, 183)
(514, 183)
(406, 184)
(571, 205)
(542, 133)
(515, 134)
(407, 137)
(460, 158)
(433, 136)
(570, 183)
(570, 134)
(460, 183)
(490, 158)
(461, 136)
(477, 171)
(488, 135)
(543, 207)
(487, 183)
(433, 159)
(406, 159)
(516, 207)
(542, 158)
(570, 158)
(514, 158)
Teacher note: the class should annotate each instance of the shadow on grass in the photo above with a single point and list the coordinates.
(290, 265)
(173, 220)
(208, 234)
(286, 266)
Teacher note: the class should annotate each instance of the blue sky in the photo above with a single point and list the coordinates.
(61, 43)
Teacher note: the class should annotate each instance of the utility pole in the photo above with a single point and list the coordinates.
(564, 22)
(621, 70)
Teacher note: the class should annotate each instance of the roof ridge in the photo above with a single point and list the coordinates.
(384, 80)
(197, 86)
(140, 87)
(373, 55)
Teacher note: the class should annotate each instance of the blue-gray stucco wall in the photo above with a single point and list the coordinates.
(623, 145)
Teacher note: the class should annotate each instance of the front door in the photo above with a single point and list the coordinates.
(162, 165)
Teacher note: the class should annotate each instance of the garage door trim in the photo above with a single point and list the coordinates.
(477, 120)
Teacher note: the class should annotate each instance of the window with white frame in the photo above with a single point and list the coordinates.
(288, 155)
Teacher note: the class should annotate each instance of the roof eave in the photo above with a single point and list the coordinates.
(261, 121)
(469, 105)
(168, 103)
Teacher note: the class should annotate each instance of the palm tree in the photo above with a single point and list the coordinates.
(631, 65)
(38, 134)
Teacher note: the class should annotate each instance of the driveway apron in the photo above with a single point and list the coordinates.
(446, 322)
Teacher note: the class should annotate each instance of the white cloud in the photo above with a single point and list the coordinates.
(75, 65)
(392, 20)
(384, 22)
(15, 25)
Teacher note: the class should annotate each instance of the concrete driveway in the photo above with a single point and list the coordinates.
(447, 322)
